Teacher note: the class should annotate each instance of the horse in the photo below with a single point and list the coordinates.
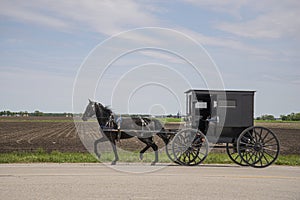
(113, 132)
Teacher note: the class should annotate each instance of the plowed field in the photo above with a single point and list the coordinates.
(29, 134)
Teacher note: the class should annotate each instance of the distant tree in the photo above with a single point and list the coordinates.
(37, 113)
(297, 117)
(267, 117)
(8, 113)
(291, 117)
(284, 117)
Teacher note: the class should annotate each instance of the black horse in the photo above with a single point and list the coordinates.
(114, 131)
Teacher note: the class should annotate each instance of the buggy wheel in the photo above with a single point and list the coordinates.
(258, 146)
(233, 154)
(190, 147)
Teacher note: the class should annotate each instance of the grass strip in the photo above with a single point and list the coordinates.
(71, 157)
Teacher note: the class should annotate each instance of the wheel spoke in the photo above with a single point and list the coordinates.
(256, 135)
(260, 161)
(256, 156)
(246, 147)
(250, 134)
(265, 158)
(261, 131)
(251, 157)
(270, 140)
(236, 157)
(265, 136)
(274, 150)
(269, 154)
(270, 145)
(247, 144)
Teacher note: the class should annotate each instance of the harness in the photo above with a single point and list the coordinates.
(113, 121)
(110, 125)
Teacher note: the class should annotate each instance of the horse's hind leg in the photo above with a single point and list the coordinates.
(113, 144)
(143, 151)
(164, 136)
(150, 143)
(155, 148)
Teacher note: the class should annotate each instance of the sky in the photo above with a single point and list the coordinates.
(44, 46)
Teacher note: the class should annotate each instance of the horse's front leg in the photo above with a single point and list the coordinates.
(103, 139)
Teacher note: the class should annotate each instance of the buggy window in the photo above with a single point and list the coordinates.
(201, 105)
(189, 103)
(227, 103)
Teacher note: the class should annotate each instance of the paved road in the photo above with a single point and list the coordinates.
(96, 181)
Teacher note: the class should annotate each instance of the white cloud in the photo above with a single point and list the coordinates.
(106, 17)
(272, 25)
(264, 19)
(163, 56)
(227, 43)
(111, 17)
(231, 7)
(26, 12)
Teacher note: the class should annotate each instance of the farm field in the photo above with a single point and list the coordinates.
(59, 133)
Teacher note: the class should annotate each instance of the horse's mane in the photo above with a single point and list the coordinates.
(107, 109)
(138, 120)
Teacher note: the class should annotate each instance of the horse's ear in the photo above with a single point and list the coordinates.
(90, 101)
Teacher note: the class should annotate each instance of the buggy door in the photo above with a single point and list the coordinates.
(213, 119)
(216, 120)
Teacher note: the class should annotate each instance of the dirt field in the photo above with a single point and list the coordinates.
(29, 134)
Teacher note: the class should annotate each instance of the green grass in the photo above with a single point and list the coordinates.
(275, 121)
(58, 157)
(165, 120)
(292, 160)
(220, 158)
(41, 156)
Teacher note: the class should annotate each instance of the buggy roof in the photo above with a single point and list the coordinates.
(219, 91)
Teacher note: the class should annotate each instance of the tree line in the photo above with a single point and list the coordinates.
(289, 117)
(35, 113)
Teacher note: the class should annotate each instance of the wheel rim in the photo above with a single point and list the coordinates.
(233, 154)
(190, 147)
(258, 147)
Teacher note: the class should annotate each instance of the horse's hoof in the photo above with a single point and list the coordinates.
(113, 162)
(153, 163)
(98, 155)
(141, 156)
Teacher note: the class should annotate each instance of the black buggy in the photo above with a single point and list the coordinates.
(222, 118)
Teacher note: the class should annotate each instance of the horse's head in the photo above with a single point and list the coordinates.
(102, 113)
(89, 111)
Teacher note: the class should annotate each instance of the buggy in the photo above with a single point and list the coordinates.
(223, 118)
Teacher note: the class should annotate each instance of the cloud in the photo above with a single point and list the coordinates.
(112, 17)
(231, 7)
(163, 56)
(28, 12)
(272, 25)
(106, 17)
(257, 19)
(225, 42)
